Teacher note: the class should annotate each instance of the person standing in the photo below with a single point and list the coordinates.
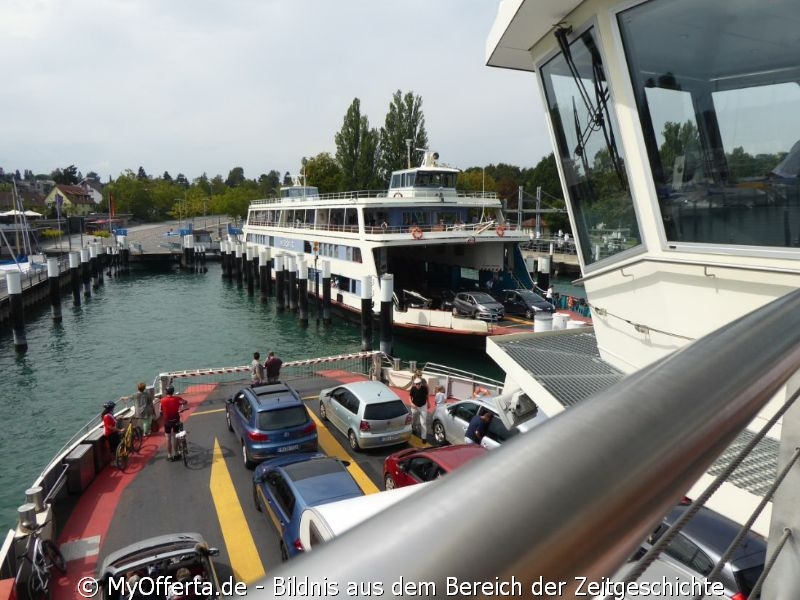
(440, 396)
(110, 429)
(256, 370)
(171, 409)
(143, 407)
(477, 427)
(549, 295)
(419, 407)
(273, 368)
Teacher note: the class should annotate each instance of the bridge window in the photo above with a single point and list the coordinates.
(717, 87)
(585, 127)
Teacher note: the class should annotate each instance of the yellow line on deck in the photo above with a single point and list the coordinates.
(245, 562)
(208, 412)
(331, 447)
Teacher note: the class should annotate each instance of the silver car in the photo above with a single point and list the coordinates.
(450, 421)
(369, 413)
(478, 305)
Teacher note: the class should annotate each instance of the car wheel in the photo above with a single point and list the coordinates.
(323, 414)
(529, 314)
(284, 552)
(438, 433)
(388, 482)
(255, 498)
(228, 419)
(248, 464)
(351, 437)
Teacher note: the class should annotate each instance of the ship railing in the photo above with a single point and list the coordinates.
(400, 195)
(458, 384)
(466, 229)
(572, 500)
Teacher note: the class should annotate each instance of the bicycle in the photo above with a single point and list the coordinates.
(182, 445)
(42, 555)
(131, 441)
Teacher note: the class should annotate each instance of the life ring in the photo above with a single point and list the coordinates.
(384, 226)
(397, 195)
(416, 233)
(471, 239)
(501, 230)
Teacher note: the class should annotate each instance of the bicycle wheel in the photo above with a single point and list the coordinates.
(52, 552)
(185, 452)
(137, 438)
(38, 585)
(122, 457)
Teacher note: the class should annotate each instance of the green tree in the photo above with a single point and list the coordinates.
(476, 180)
(357, 150)
(141, 174)
(322, 171)
(269, 183)
(404, 121)
(181, 180)
(235, 177)
(67, 176)
(166, 176)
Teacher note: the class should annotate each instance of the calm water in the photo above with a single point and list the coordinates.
(132, 328)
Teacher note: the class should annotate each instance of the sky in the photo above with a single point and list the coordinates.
(202, 86)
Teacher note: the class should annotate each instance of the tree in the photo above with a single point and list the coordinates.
(357, 150)
(235, 177)
(287, 178)
(67, 176)
(404, 121)
(141, 174)
(166, 176)
(182, 181)
(322, 171)
(90, 176)
(268, 184)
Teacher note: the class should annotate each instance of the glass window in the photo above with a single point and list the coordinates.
(422, 469)
(579, 103)
(282, 418)
(385, 410)
(717, 88)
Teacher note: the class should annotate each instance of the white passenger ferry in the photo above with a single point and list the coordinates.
(433, 239)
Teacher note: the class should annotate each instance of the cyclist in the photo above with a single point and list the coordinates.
(110, 428)
(170, 407)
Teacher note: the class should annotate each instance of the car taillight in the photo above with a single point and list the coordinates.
(363, 426)
(298, 545)
(408, 419)
(257, 436)
(310, 428)
(738, 596)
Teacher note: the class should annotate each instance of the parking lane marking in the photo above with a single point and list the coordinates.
(245, 561)
(209, 411)
(333, 448)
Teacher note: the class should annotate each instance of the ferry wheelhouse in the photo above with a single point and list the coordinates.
(433, 239)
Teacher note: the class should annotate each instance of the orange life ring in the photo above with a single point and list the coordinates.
(416, 233)
(501, 230)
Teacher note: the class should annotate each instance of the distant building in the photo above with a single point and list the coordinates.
(76, 200)
(93, 188)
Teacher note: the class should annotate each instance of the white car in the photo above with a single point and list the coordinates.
(515, 413)
(368, 413)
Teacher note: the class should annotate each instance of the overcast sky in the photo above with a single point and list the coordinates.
(193, 86)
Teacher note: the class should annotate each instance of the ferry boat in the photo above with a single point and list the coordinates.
(431, 238)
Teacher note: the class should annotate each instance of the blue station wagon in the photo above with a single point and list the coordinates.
(283, 487)
(270, 420)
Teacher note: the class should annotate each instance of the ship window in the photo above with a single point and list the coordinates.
(718, 95)
(579, 103)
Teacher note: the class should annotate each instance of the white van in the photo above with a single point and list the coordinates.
(321, 523)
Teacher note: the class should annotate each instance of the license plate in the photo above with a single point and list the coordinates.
(290, 448)
(389, 438)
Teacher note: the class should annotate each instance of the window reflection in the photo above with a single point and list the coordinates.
(717, 91)
(579, 103)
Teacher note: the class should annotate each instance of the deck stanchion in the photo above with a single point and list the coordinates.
(54, 288)
(280, 303)
(387, 291)
(302, 291)
(249, 270)
(366, 313)
(237, 264)
(14, 286)
(292, 287)
(75, 277)
(326, 292)
(85, 273)
(263, 273)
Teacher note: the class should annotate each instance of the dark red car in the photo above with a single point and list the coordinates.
(416, 465)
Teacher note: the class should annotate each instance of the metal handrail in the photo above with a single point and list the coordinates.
(576, 496)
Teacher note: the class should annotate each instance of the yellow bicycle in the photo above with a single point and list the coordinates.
(131, 441)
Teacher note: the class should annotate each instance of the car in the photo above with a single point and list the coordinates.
(478, 305)
(413, 465)
(450, 420)
(268, 420)
(162, 556)
(284, 486)
(525, 303)
(700, 544)
(368, 413)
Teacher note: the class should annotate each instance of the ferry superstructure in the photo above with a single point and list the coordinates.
(431, 238)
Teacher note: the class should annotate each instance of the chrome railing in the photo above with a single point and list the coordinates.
(573, 499)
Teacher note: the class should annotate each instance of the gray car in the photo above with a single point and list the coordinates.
(450, 421)
(369, 413)
(478, 305)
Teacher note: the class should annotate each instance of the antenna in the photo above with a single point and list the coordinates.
(409, 141)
